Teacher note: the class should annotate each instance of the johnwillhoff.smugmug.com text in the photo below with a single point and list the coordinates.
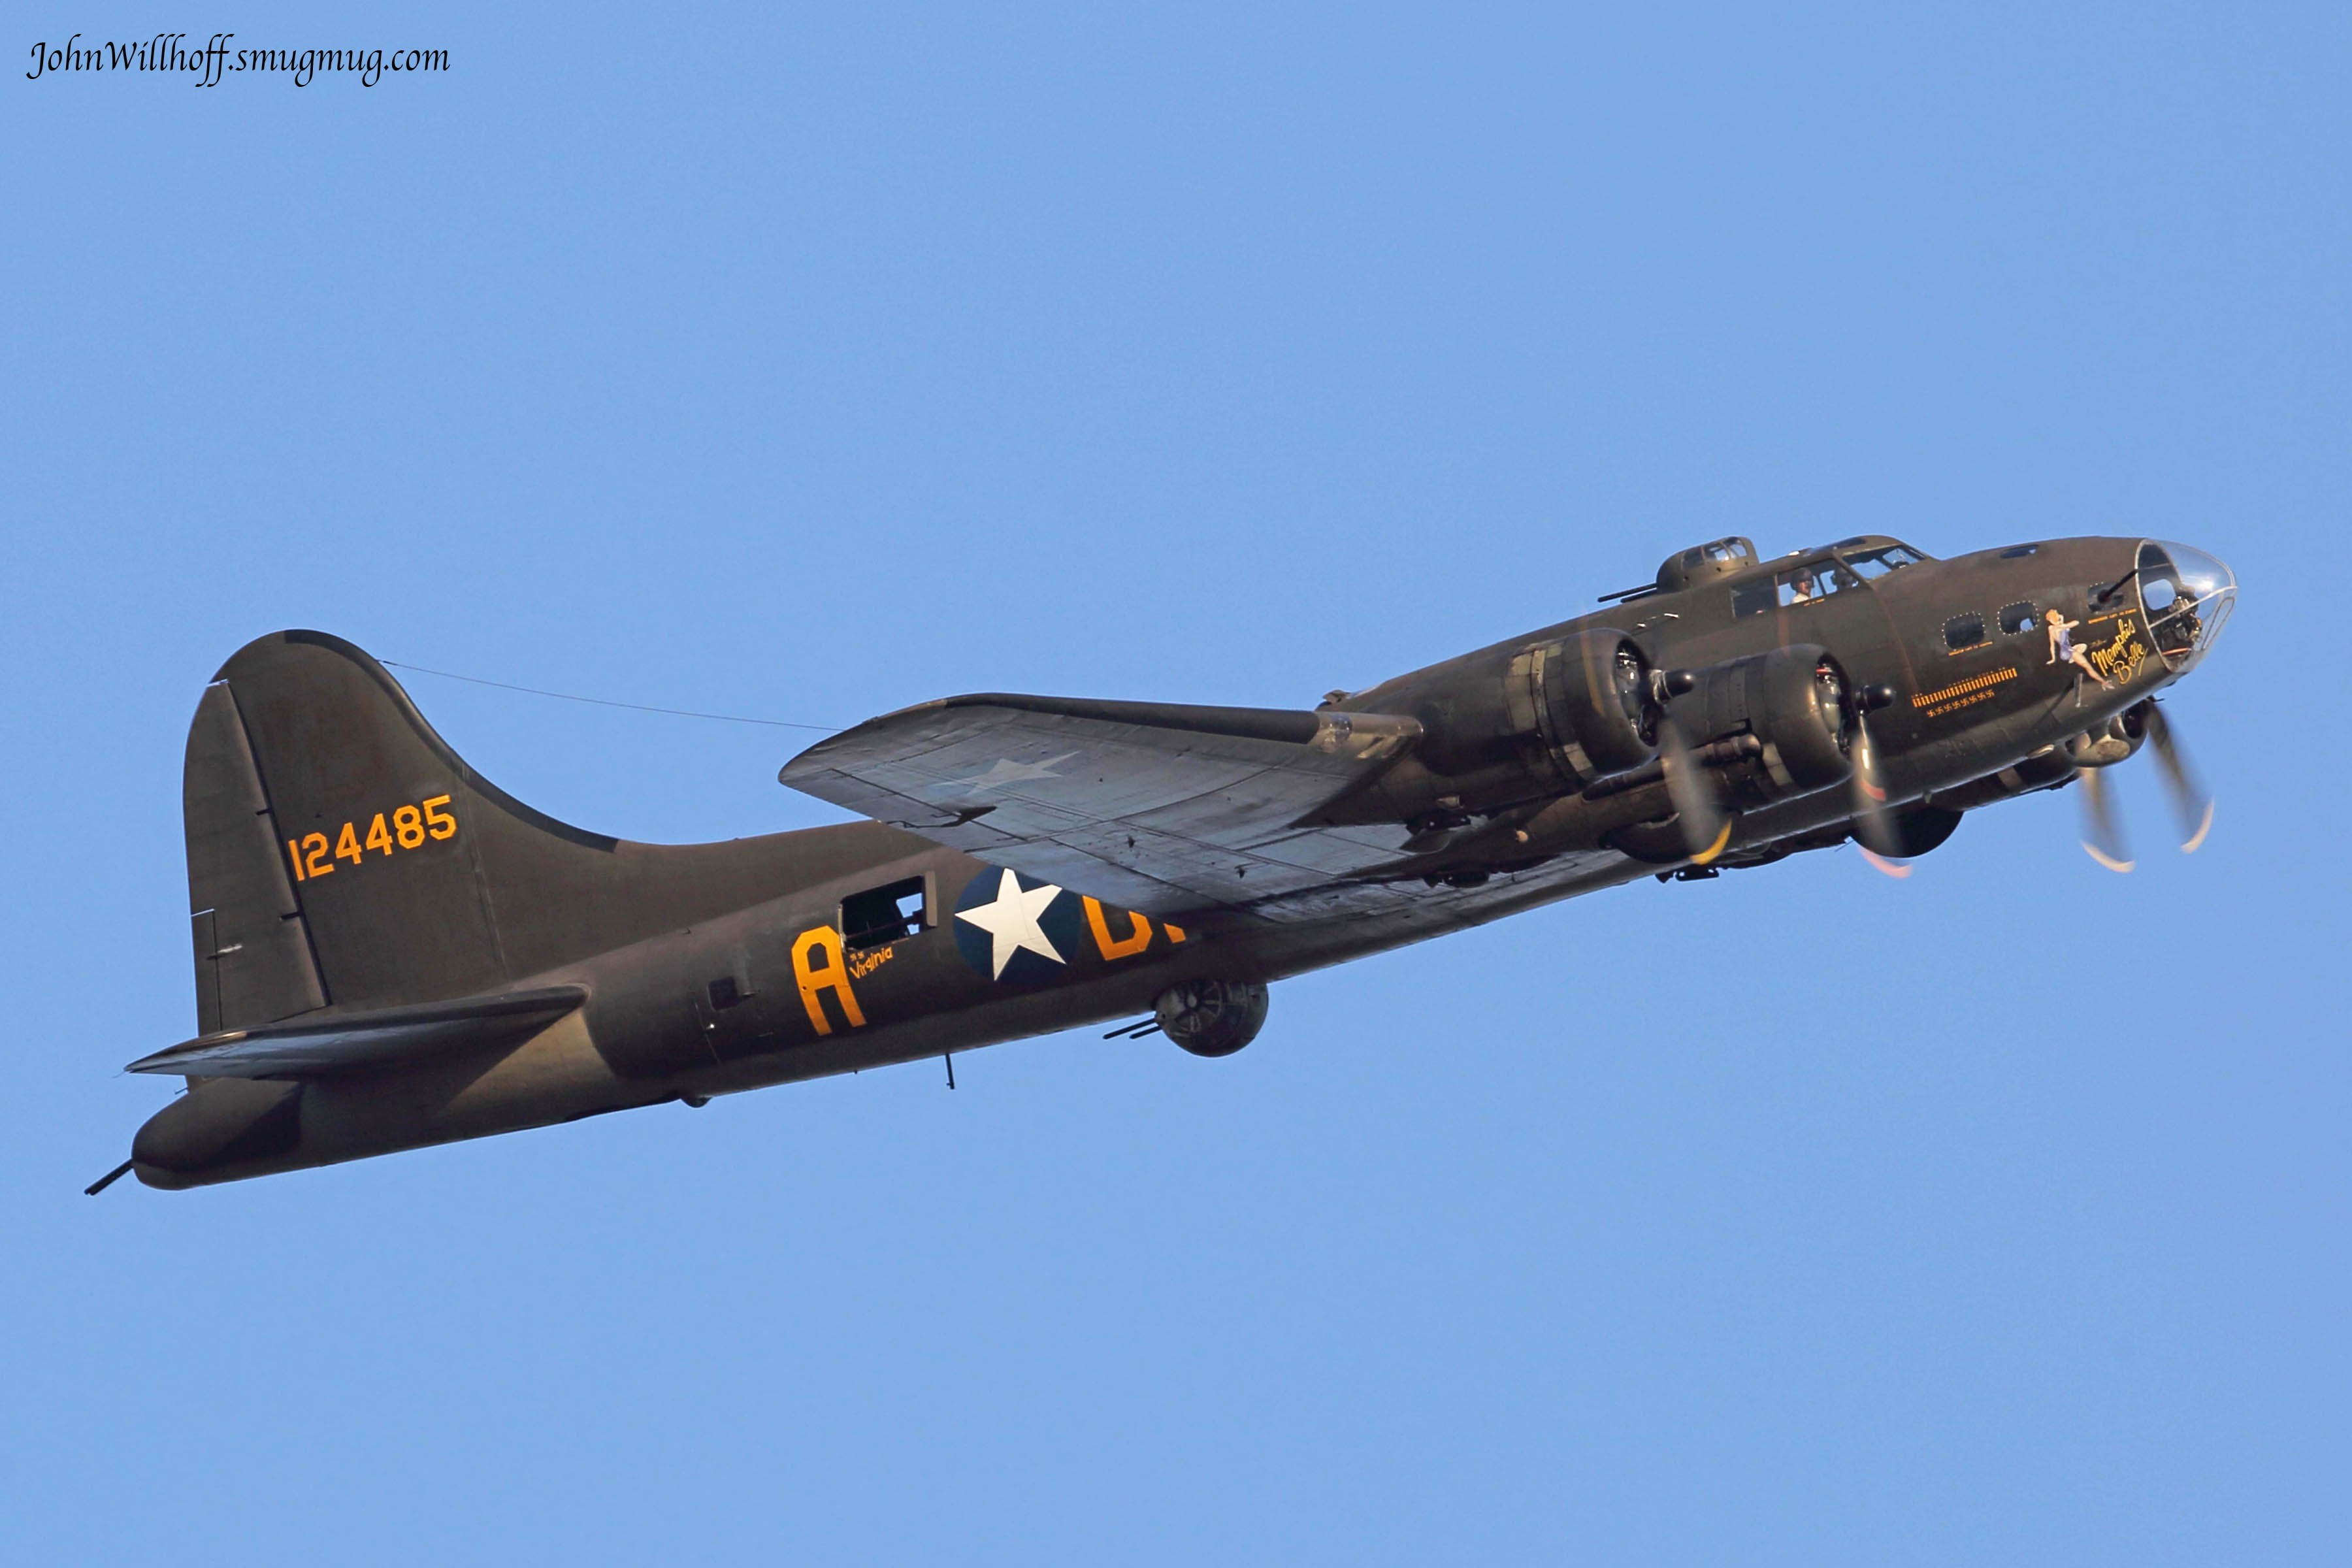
(206, 64)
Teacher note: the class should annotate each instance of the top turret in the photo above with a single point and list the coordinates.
(1703, 562)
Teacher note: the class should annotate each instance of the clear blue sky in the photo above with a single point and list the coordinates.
(810, 365)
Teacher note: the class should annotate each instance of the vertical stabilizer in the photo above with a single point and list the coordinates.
(254, 963)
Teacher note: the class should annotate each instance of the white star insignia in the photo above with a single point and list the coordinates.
(1010, 921)
(1008, 771)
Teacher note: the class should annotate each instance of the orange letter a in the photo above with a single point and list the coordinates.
(832, 975)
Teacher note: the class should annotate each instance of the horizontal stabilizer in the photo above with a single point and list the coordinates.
(388, 1036)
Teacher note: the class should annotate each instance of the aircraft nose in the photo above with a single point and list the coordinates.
(2186, 597)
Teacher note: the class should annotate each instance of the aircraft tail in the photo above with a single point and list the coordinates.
(340, 854)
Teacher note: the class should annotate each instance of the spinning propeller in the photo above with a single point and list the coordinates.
(1890, 840)
(2191, 805)
(1874, 825)
(1706, 826)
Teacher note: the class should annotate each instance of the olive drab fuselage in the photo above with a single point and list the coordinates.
(1519, 779)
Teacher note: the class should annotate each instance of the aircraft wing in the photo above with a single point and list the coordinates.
(1154, 807)
(319, 1048)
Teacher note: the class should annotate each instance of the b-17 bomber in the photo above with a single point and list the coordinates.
(392, 952)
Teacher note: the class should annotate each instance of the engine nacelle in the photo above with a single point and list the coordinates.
(2117, 741)
(1577, 707)
(1593, 701)
(1794, 700)
(1212, 1017)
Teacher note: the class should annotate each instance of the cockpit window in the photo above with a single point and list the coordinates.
(1886, 558)
(1806, 584)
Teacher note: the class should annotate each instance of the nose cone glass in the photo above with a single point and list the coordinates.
(2185, 595)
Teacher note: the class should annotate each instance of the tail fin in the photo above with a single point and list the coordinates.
(254, 961)
(340, 853)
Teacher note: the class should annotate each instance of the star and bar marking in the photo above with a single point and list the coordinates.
(1010, 921)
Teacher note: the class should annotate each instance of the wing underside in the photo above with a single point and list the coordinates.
(1156, 808)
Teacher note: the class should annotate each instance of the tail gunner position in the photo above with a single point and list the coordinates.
(391, 952)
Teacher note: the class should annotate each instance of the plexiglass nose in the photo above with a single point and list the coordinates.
(2185, 595)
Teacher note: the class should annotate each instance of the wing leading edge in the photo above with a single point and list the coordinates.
(1160, 807)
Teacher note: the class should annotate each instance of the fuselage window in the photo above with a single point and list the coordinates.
(1964, 631)
(881, 916)
(2017, 620)
(1886, 558)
